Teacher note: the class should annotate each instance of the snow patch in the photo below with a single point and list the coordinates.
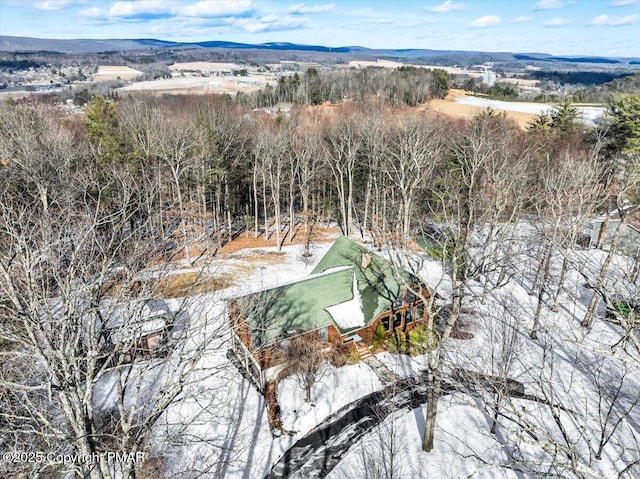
(337, 388)
(349, 315)
(587, 114)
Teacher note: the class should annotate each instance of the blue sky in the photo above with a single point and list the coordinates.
(561, 27)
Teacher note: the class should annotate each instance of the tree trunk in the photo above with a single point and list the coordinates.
(227, 209)
(218, 223)
(350, 206)
(367, 200)
(595, 299)
(264, 206)
(307, 393)
(183, 214)
(563, 276)
(255, 202)
(536, 280)
(496, 413)
(292, 195)
(432, 411)
(544, 277)
(603, 232)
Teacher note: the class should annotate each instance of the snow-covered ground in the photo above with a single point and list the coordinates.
(588, 114)
(219, 428)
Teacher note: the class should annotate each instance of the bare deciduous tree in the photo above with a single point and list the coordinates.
(307, 359)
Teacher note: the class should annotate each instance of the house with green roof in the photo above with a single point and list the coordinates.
(343, 301)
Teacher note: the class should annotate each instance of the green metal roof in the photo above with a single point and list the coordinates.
(294, 308)
(379, 283)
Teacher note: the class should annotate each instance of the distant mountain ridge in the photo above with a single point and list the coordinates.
(13, 44)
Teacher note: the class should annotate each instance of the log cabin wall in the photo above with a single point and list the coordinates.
(334, 335)
(396, 318)
(411, 313)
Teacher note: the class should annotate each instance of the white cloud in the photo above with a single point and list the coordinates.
(302, 8)
(548, 4)
(556, 22)
(94, 12)
(50, 5)
(624, 3)
(447, 6)
(615, 21)
(170, 8)
(486, 21)
(520, 19)
(215, 8)
(142, 7)
(268, 23)
(376, 21)
(419, 23)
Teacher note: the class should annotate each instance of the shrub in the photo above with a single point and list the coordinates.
(436, 252)
(421, 340)
(379, 337)
(339, 355)
(354, 357)
(396, 344)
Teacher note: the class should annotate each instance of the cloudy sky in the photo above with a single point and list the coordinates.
(561, 27)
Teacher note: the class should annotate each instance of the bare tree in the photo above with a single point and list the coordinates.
(177, 144)
(343, 143)
(412, 148)
(72, 303)
(459, 204)
(307, 359)
(495, 365)
(271, 148)
(568, 193)
(226, 136)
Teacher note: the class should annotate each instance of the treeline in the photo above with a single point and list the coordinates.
(18, 64)
(403, 86)
(213, 168)
(585, 78)
(497, 90)
(627, 85)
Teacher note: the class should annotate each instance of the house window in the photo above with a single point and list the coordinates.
(257, 339)
(420, 311)
(411, 297)
(386, 322)
(324, 334)
(408, 315)
(397, 320)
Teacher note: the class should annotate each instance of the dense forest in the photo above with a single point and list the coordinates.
(208, 162)
(403, 86)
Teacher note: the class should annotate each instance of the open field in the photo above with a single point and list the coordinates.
(451, 106)
(459, 104)
(198, 85)
(391, 64)
(521, 82)
(112, 72)
(205, 67)
(377, 63)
